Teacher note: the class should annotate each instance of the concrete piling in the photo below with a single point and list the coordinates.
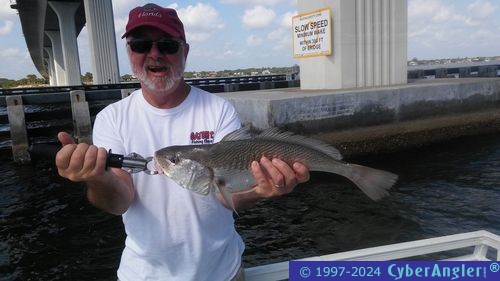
(126, 92)
(81, 116)
(18, 132)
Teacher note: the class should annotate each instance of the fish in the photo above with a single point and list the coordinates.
(225, 166)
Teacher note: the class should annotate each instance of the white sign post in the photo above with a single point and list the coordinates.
(312, 34)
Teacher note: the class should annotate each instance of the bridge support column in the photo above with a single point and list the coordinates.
(102, 41)
(58, 58)
(368, 45)
(51, 68)
(66, 15)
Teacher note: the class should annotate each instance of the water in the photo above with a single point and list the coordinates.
(48, 231)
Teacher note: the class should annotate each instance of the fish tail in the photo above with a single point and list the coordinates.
(373, 182)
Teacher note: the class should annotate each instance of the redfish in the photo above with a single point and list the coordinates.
(225, 166)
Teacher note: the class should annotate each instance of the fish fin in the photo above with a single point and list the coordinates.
(242, 133)
(275, 133)
(228, 197)
(373, 182)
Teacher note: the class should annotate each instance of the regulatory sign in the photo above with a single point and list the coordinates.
(312, 34)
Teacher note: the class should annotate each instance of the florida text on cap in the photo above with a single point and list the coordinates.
(164, 19)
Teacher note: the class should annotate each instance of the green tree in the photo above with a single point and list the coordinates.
(31, 79)
(6, 83)
(126, 77)
(188, 74)
(87, 78)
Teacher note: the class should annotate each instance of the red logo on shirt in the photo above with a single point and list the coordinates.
(203, 137)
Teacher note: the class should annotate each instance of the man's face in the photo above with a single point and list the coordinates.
(157, 68)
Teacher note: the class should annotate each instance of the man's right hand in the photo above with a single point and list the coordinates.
(110, 190)
(80, 162)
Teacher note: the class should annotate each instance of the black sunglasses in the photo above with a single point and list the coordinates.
(164, 45)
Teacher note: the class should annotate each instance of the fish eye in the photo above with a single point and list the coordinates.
(173, 159)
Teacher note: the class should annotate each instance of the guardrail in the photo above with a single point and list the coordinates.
(213, 84)
(454, 71)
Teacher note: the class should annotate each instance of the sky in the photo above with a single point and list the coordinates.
(231, 34)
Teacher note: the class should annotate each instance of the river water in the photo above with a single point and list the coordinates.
(48, 231)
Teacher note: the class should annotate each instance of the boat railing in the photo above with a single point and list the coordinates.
(479, 246)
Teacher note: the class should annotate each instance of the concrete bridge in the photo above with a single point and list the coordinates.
(51, 29)
(366, 41)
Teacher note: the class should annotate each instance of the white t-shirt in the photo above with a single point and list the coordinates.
(172, 233)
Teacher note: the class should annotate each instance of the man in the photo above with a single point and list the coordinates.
(172, 233)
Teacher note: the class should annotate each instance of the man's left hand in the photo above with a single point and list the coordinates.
(275, 177)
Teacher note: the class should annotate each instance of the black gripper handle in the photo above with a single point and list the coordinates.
(43, 151)
(49, 151)
(114, 160)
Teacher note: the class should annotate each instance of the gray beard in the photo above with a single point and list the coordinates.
(159, 83)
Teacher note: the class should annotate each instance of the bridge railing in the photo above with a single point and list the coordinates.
(212, 84)
(454, 71)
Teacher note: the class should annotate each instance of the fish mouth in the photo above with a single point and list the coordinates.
(162, 164)
(158, 168)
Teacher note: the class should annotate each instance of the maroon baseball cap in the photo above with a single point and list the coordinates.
(164, 19)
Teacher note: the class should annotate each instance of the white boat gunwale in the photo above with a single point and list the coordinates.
(482, 241)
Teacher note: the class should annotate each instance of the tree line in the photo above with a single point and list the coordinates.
(30, 79)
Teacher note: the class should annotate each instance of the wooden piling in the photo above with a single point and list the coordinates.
(18, 132)
(81, 116)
